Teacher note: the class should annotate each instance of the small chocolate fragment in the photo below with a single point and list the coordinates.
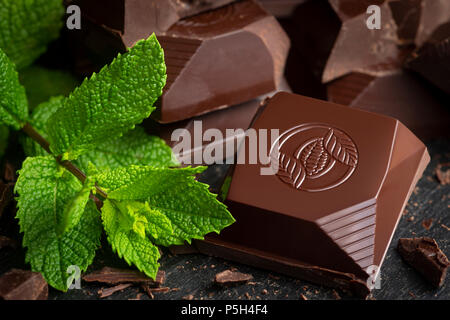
(116, 276)
(281, 8)
(23, 285)
(432, 60)
(443, 175)
(139, 18)
(424, 255)
(106, 292)
(400, 95)
(200, 77)
(231, 278)
(344, 159)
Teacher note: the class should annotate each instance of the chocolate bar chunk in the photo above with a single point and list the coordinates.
(281, 8)
(329, 212)
(335, 39)
(400, 95)
(230, 122)
(432, 60)
(424, 255)
(137, 19)
(214, 60)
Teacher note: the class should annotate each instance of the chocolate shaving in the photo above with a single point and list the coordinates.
(424, 255)
(106, 292)
(23, 285)
(116, 276)
(229, 278)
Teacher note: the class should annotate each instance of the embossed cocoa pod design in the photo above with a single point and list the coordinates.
(314, 157)
(341, 148)
(291, 171)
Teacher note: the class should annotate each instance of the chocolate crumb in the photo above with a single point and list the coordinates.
(427, 223)
(229, 277)
(412, 294)
(443, 175)
(247, 295)
(146, 288)
(336, 295)
(264, 291)
(188, 297)
(303, 297)
(410, 219)
(445, 227)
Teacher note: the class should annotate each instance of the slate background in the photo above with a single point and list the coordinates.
(193, 274)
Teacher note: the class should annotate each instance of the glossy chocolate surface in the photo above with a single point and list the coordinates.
(341, 213)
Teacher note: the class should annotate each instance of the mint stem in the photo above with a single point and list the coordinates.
(36, 136)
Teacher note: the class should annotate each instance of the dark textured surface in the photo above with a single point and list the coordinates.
(193, 274)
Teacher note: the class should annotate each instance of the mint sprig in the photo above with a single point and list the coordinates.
(146, 202)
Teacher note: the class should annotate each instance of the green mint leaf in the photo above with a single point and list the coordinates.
(156, 224)
(111, 102)
(41, 84)
(134, 147)
(13, 102)
(126, 234)
(44, 188)
(74, 209)
(140, 182)
(192, 210)
(4, 135)
(27, 26)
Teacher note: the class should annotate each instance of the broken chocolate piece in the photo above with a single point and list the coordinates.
(137, 19)
(201, 78)
(427, 223)
(23, 285)
(434, 13)
(231, 278)
(116, 276)
(432, 60)
(345, 159)
(424, 255)
(400, 95)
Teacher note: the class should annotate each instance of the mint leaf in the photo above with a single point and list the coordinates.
(74, 209)
(27, 26)
(192, 210)
(13, 102)
(44, 188)
(156, 224)
(109, 103)
(134, 147)
(126, 233)
(41, 84)
(140, 182)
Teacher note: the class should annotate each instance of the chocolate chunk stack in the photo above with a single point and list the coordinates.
(338, 175)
